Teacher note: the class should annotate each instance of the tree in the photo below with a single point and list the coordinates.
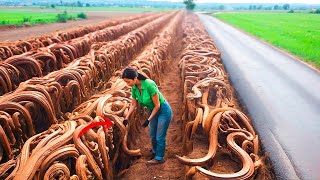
(73, 5)
(276, 7)
(79, 4)
(190, 5)
(259, 7)
(268, 8)
(221, 7)
(286, 6)
(254, 7)
(62, 17)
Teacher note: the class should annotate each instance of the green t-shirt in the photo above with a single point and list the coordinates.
(148, 89)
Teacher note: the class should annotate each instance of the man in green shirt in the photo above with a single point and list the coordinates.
(146, 92)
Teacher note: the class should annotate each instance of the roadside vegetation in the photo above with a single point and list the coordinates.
(296, 33)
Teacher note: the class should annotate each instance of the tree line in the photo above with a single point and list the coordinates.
(188, 4)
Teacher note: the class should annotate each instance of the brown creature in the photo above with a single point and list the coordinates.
(208, 100)
(9, 78)
(5, 52)
(95, 163)
(30, 59)
(21, 47)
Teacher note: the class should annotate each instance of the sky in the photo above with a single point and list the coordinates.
(256, 1)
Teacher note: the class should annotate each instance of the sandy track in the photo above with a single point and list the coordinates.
(13, 34)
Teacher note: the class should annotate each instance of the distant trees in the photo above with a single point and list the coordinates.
(317, 11)
(255, 7)
(259, 7)
(268, 8)
(252, 7)
(274, 7)
(286, 6)
(79, 4)
(190, 5)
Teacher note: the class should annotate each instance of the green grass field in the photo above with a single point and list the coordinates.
(37, 15)
(125, 9)
(296, 33)
(29, 16)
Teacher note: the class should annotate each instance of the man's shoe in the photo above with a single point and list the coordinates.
(154, 162)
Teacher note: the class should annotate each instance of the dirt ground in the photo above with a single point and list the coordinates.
(9, 34)
(224, 161)
(171, 87)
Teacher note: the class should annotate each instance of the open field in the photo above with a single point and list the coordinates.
(27, 15)
(296, 33)
(37, 15)
(13, 33)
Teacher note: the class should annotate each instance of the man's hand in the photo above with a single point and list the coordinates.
(125, 122)
(146, 123)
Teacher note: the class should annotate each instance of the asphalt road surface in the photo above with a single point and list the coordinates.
(281, 95)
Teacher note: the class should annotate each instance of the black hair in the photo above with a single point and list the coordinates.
(131, 73)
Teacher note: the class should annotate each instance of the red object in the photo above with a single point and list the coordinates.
(107, 123)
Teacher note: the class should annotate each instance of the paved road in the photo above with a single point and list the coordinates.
(281, 95)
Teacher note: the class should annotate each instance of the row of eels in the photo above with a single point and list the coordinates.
(100, 153)
(41, 121)
(39, 62)
(22, 46)
(209, 108)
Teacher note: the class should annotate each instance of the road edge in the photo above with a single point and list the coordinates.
(280, 162)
